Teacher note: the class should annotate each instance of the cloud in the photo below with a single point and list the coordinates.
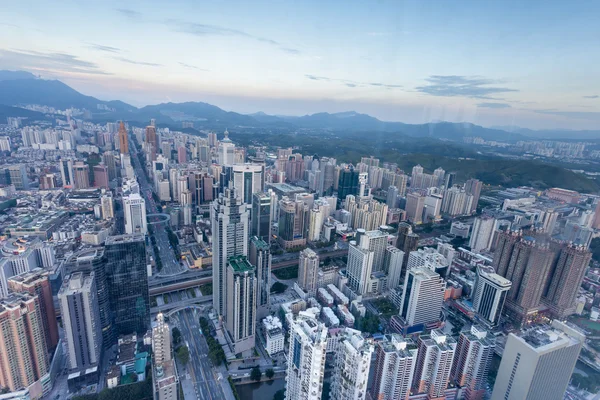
(350, 83)
(55, 63)
(475, 87)
(129, 13)
(127, 60)
(192, 67)
(493, 105)
(100, 47)
(594, 96)
(589, 115)
(197, 29)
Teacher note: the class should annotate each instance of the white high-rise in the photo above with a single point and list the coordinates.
(394, 368)
(134, 208)
(306, 358)
(489, 293)
(352, 362)
(393, 266)
(308, 271)
(161, 340)
(538, 364)
(482, 233)
(247, 180)
(422, 297)
(230, 224)
(434, 364)
(226, 151)
(315, 224)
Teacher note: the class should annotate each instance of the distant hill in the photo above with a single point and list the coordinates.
(13, 75)
(8, 111)
(555, 133)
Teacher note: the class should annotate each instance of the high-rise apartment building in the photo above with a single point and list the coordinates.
(473, 188)
(261, 216)
(123, 140)
(489, 294)
(537, 364)
(81, 320)
(434, 364)
(81, 175)
(134, 210)
(128, 282)
(472, 360)
(23, 351)
(165, 372)
(394, 258)
(293, 222)
(306, 358)
(352, 363)
(161, 340)
(422, 297)
(241, 303)
(18, 176)
(230, 225)
(36, 283)
(482, 233)
(414, 207)
(101, 176)
(394, 369)
(260, 257)
(308, 271)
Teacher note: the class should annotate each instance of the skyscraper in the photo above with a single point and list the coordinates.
(434, 363)
(394, 368)
(348, 182)
(292, 223)
(473, 187)
(152, 141)
(23, 351)
(472, 359)
(230, 225)
(81, 320)
(414, 207)
(66, 172)
(161, 340)
(537, 364)
(489, 294)
(393, 266)
(128, 282)
(407, 241)
(226, 150)
(241, 303)
(18, 176)
(101, 176)
(123, 140)
(81, 175)
(260, 257)
(482, 234)
(352, 363)
(422, 297)
(261, 216)
(247, 180)
(306, 358)
(134, 210)
(308, 271)
(36, 283)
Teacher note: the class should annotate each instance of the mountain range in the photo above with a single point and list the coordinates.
(18, 88)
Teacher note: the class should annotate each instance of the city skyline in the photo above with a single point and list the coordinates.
(411, 62)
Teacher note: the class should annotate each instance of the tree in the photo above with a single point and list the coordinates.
(279, 395)
(457, 327)
(183, 355)
(255, 374)
(176, 336)
(278, 287)
(269, 373)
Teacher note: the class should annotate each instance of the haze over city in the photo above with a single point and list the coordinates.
(522, 64)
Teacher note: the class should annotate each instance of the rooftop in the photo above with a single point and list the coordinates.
(240, 264)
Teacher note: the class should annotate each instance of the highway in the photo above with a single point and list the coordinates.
(170, 265)
(199, 369)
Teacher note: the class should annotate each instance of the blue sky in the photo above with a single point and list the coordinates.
(510, 63)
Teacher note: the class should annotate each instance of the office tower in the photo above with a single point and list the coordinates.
(93, 260)
(393, 266)
(433, 207)
(348, 182)
(101, 176)
(18, 176)
(473, 187)
(308, 271)
(48, 181)
(23, 351)
(596, 220)
(489, 294)
(152, 141)
(66, 172)
(128, 283)
(134, 210)
(450, 179)
(261, 216)
(429, 258)
(414, 207)
(352, 362)
(392, 197)
(482, 234)
(230, 220)
(226, 150)
(422, 297)
(260, 257)
(435, 353)
(407, 241)
(108, 158)
(247, 180)
(306, 358)
(565, 279)
(181, 155)
(161, 340)
(36, 283)
(394, 368)
(292, 223)
(81, 320)
(472, 360)
(538, 364)
(123, 141)
(241, 303)
(81, 175)
(185, 199)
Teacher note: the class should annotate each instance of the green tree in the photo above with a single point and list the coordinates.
(278, 287)
(183, 354)
(255, 374)
(176, 336)
(279, 395)
(269, 373)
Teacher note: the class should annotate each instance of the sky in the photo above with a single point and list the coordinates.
(508, 63)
